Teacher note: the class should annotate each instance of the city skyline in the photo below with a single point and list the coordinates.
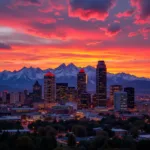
(44, 33)
(74, 74)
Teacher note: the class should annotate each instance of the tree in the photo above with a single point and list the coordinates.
(48, 143)
(4, 146)
(143, 145)
(71, 140)
(134, 132)
(50, 131)
(24, 143)
(99, 142)
(79, 131)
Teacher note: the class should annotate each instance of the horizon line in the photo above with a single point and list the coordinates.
(66, 65)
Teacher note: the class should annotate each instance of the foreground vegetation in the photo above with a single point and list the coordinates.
(45, 134)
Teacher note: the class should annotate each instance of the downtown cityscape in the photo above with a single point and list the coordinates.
(74, 74)
(59, 103)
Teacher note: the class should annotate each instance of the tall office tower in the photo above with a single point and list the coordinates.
(113, 89)
(72, 94)
(101, 84)
(81, 82)
(37, 92)
(61, 92)
(130, 96)
(85, 101)
(120, 101)
(49, 87)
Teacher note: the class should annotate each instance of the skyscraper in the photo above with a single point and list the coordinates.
(101, 84)
(37, 92)
(72, 94)
(120, 101)
(130, 96)
(113, 89)
(81, 82)
(49, 87)
(61, 92)
(85, 101)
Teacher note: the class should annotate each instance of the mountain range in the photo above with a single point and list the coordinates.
(25, 78)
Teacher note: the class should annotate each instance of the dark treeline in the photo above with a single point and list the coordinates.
(45, 134)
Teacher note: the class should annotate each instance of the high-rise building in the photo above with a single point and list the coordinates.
(49, 87)
(37, 92)
(101, 84)
(94, 101)
(72, 94)
(120, 101)
(85, 101)
(22, 98)
(130, 96)
(81, 82)
(5, 97)
(113, 89)
(61, 92)
(14, 98)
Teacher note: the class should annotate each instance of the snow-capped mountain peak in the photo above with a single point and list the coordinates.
(64, 73)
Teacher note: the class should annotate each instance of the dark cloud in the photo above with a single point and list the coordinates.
(90, 9)
(112, 29)
(32, 1)
(5, 46)
(142, 10)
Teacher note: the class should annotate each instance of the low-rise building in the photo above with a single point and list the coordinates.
(119, 132)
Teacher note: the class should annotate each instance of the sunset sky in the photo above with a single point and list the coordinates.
(46, 33)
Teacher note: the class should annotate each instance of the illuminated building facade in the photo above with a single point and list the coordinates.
(85, 101)
(61, 92)
(113, 89)
(72, 94)
(81, 82)
(37, 92)
(49, 87)
(94, 101)
(101, 84)
(130, 96)
(120, 101)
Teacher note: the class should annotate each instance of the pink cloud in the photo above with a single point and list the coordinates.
(132, 34)
(144, 32)
(142, 11)
(90, 9)
(50, 5)
(127, 13)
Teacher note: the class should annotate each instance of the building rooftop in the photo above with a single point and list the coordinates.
(36, 83)
(15, 130)
(145, 136)
(49, 74)
(118, 130)
(10, 118)
(82, 71)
